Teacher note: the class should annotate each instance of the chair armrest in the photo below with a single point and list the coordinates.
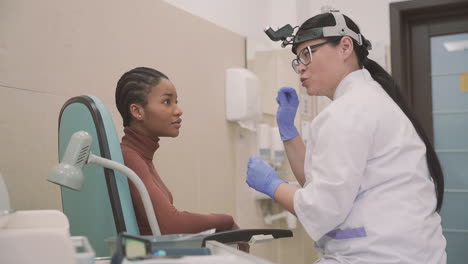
(245, 235)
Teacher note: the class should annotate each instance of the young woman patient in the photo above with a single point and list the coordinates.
(147, 101)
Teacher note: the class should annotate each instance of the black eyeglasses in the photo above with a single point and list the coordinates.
(305, 55)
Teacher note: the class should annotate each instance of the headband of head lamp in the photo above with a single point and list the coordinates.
(286, 33)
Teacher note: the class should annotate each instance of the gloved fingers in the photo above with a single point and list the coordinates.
(253, 157)
(262, 177)
(282, 94)
(293, 98)
(287, 89)
(287, 95)
(257, 162)
(252, 160)
(254, 164)
(250, 170)
(256, 171)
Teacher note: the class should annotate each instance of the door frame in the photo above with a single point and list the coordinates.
(412, 24)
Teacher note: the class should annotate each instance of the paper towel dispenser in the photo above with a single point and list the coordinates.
(243, 95)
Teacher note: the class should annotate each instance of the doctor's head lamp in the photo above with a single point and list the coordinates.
(287, 36)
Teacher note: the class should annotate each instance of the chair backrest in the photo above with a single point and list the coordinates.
(104, 206)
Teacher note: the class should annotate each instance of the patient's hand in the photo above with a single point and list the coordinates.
(241, 246)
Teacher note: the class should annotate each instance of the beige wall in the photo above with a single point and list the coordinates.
(52, 50)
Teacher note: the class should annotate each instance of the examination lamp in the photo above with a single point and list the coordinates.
(69, 173)
(285, 33)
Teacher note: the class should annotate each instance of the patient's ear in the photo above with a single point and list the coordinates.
(137, 111)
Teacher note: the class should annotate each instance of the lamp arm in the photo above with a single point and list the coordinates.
(110, 164)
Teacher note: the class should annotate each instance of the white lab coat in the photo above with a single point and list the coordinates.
(368, 196)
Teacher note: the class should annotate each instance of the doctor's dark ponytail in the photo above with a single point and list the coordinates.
(393, 90)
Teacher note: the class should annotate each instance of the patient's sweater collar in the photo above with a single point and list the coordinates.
(143, 144)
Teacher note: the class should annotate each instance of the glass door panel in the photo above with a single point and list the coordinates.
(449, 61)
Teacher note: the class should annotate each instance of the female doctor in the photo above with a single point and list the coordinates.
(372, 185)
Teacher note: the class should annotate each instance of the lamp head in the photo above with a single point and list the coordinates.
(68, 172)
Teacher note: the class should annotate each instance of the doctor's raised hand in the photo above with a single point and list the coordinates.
(288, 102)
(262, 177)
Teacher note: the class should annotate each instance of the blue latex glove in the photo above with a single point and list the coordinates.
(288, 103)
(262, 177)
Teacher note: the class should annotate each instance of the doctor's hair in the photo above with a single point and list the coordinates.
(133, 88)
(390, 86)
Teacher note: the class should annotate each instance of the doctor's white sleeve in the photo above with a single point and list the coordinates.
(335, 164)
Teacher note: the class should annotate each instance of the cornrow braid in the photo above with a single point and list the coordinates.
(133, 88)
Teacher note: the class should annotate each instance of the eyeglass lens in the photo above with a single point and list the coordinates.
(304, 57)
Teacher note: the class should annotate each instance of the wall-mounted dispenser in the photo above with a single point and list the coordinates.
(243, 97)
(270, 146)
(264, 141)
(266, 206)
(277, 148)
(291, 219)
(271, 150)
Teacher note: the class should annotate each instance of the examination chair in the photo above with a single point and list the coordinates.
(103, 209)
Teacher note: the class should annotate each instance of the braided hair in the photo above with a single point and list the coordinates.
(133, 88)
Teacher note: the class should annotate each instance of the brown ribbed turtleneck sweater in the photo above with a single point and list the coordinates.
(138, 151)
